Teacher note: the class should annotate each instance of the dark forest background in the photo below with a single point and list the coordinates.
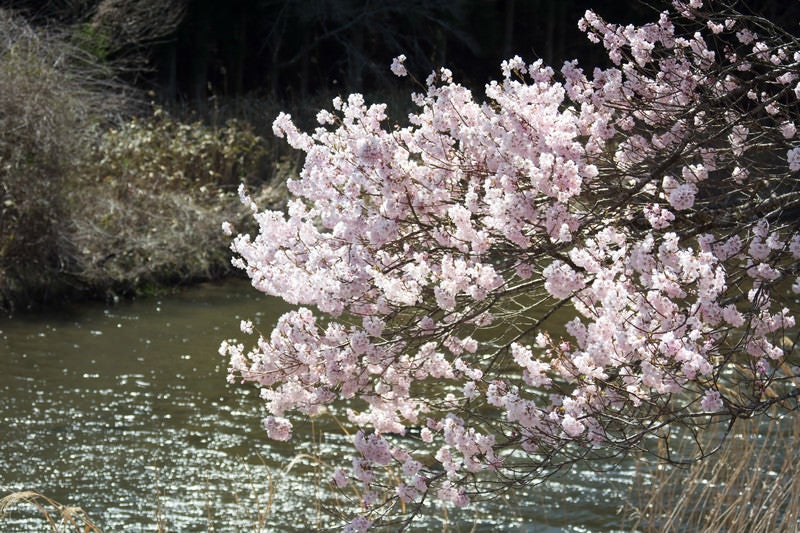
(189, 50)
(126, 126)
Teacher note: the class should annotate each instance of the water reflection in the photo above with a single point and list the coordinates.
(125, 411)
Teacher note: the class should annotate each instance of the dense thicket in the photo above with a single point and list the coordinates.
(93, 200)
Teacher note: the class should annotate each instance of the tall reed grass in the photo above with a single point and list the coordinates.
(751, 484)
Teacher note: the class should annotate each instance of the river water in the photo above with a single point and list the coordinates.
(124, 410)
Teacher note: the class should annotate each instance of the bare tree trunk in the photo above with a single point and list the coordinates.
(508, 30)
(355, 60)
(239, 53)
(169, 73)
(199, 60)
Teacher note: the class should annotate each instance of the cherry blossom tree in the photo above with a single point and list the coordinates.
(582, 265)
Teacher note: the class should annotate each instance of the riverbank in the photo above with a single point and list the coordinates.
(137, 209)
(119, 241)
(105, 195)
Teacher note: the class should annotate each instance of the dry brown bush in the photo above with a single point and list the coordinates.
(51, 94)
(93, 203)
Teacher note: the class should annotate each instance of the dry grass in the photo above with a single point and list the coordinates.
(58, 517)
(752, 484)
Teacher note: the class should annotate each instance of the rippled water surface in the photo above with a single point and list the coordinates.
(125, 411)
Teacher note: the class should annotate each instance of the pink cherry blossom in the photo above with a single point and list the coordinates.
(793, 158)
(712, 402)
(398, 69)
(278, 428)
(560, 267)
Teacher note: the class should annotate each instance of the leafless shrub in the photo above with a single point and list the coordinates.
(51, 94)
(127, 25)
(91, 201)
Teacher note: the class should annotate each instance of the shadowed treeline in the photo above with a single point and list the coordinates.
(189, 49)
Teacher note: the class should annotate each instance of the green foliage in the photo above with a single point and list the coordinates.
(95, 41)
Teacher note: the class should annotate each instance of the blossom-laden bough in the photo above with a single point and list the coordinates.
(580, 266)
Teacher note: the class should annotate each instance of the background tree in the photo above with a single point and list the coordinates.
(581, 266)
(186, 51)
